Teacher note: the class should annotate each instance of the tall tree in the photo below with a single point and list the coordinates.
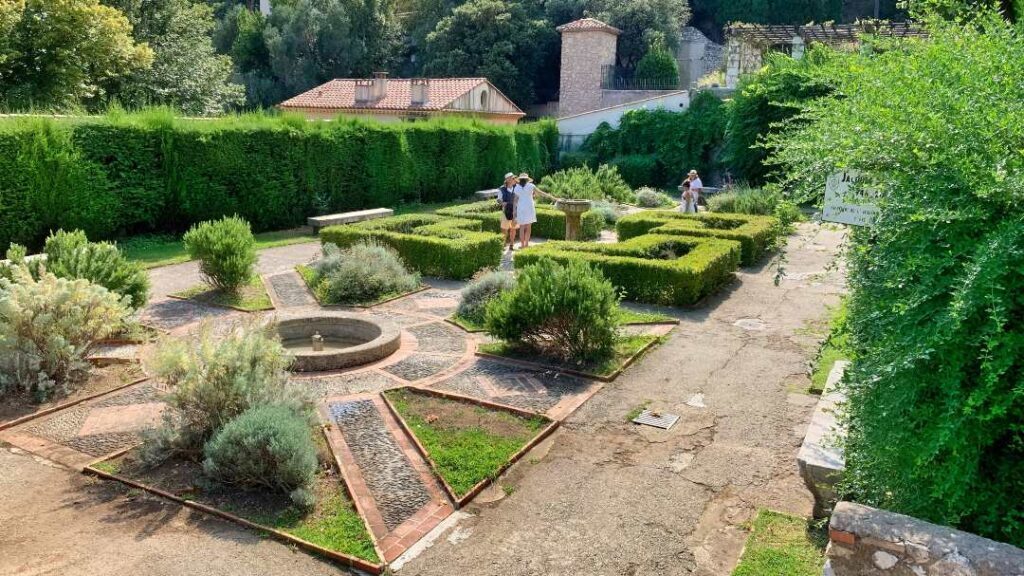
(62, 53)
(187, 73)
(495, 39)
(641, 21)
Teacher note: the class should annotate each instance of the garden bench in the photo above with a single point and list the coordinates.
(318, 222)
(486, 194)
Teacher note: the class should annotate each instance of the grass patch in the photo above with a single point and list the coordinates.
(467, 443)
(154, 250)
(637, 410)
(625, 348)
(251, 297)
(835, 347)
(333, 524)
(782, 544)
(627, 316)
(467, 324)
(108, 467)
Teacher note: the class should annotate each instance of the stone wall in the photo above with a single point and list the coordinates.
(611, 98)
(867, 541)
(584, 54)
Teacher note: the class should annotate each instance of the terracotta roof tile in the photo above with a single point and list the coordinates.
(341, 94)
(587, 25)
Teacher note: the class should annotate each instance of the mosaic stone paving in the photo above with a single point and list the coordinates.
(171, 314)
(290, 290)
(419, 366)
(439, 337)
(343, 384)
(537, 391)
(395, 485)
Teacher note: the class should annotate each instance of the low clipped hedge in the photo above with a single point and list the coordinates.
(550, 221)
(432, 245)
(653, 268)
(754, 233)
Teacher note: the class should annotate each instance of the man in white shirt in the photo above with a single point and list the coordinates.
(696, 186)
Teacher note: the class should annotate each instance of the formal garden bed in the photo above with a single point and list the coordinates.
(429, 244)
(756, 234)
(332, 526)
(656, 269)
(468, 443)
(249, 297)
(627, 350)
(364, 274)
(19, 407)
(625, 316)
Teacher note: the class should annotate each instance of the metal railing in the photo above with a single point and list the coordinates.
(614, 78)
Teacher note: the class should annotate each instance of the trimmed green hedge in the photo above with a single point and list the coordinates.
(755, 233)
(152, 171)
(550, 221)
(430, 244)
(659, 269)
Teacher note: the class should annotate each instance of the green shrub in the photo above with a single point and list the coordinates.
(651, 198)
(48, 326)
(550, 222)
(562, 310)
(659, 269)
(608, 212)
(583, 184)
(269, 447)
(213, 378)
(480, 291)
(226, 250)
(935, 307)
(364, 272)
(767, 201)
(141, 172)
(71, 255)
(639, 169)
(577, 159)
(757, 234)
(430, 244)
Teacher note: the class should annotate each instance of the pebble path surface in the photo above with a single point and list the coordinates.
(290, 290)
(395, 485)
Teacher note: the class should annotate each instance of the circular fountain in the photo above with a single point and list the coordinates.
(336, 340)
(573, 210)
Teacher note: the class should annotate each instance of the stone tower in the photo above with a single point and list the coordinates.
(588, 45)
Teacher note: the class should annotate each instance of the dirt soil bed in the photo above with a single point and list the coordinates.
(333, 523)
(101, 379)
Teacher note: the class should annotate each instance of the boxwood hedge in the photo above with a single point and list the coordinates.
(550, 221)
(654, 268)
(428, 243)
(755, 233)
(152, 171)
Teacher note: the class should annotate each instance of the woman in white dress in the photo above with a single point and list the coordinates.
(689, 200)
(526, 208)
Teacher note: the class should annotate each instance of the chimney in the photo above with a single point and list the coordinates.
(420, 89)
(380, 85)
(363, 88)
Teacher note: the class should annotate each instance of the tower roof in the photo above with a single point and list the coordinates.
(588, 25)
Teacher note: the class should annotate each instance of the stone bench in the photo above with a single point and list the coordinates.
(486, 194)
(318, 222)
(865, 540)
(820, 460)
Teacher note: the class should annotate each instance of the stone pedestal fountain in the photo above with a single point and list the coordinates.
(573, 210)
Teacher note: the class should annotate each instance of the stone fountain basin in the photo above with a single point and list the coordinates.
(573, 206)
(350, 340)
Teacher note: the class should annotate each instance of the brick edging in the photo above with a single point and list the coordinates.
(51, 410)
(479, 486)
(341, 557)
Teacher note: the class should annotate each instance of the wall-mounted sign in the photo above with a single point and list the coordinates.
(846, 203)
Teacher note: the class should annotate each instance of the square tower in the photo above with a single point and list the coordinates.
(588, 47)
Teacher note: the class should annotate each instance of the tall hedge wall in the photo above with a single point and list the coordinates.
(150, 171)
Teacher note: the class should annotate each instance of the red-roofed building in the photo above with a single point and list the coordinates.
(394, 99)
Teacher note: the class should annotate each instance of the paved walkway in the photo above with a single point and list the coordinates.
(608, 497)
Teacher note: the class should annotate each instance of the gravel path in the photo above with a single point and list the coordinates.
(395, 485)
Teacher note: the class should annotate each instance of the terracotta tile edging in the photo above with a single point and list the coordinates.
(479, 486)
(550, 367)
(282, 536)
(52, 409)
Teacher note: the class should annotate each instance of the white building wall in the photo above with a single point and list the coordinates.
(573, 130)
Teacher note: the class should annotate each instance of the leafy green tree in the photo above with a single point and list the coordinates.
(60, 53)
(495, 39)
(186, 73)
(641, 22)
(935, 404)
(658, 68)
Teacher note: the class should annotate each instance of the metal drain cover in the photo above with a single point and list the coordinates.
(649, 418)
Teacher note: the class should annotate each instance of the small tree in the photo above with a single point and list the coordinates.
(658, 70)
(226, 250)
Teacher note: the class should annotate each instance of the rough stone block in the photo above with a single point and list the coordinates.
(820, 460)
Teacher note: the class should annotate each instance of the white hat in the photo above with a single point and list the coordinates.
(693, 172)
(509, 175)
